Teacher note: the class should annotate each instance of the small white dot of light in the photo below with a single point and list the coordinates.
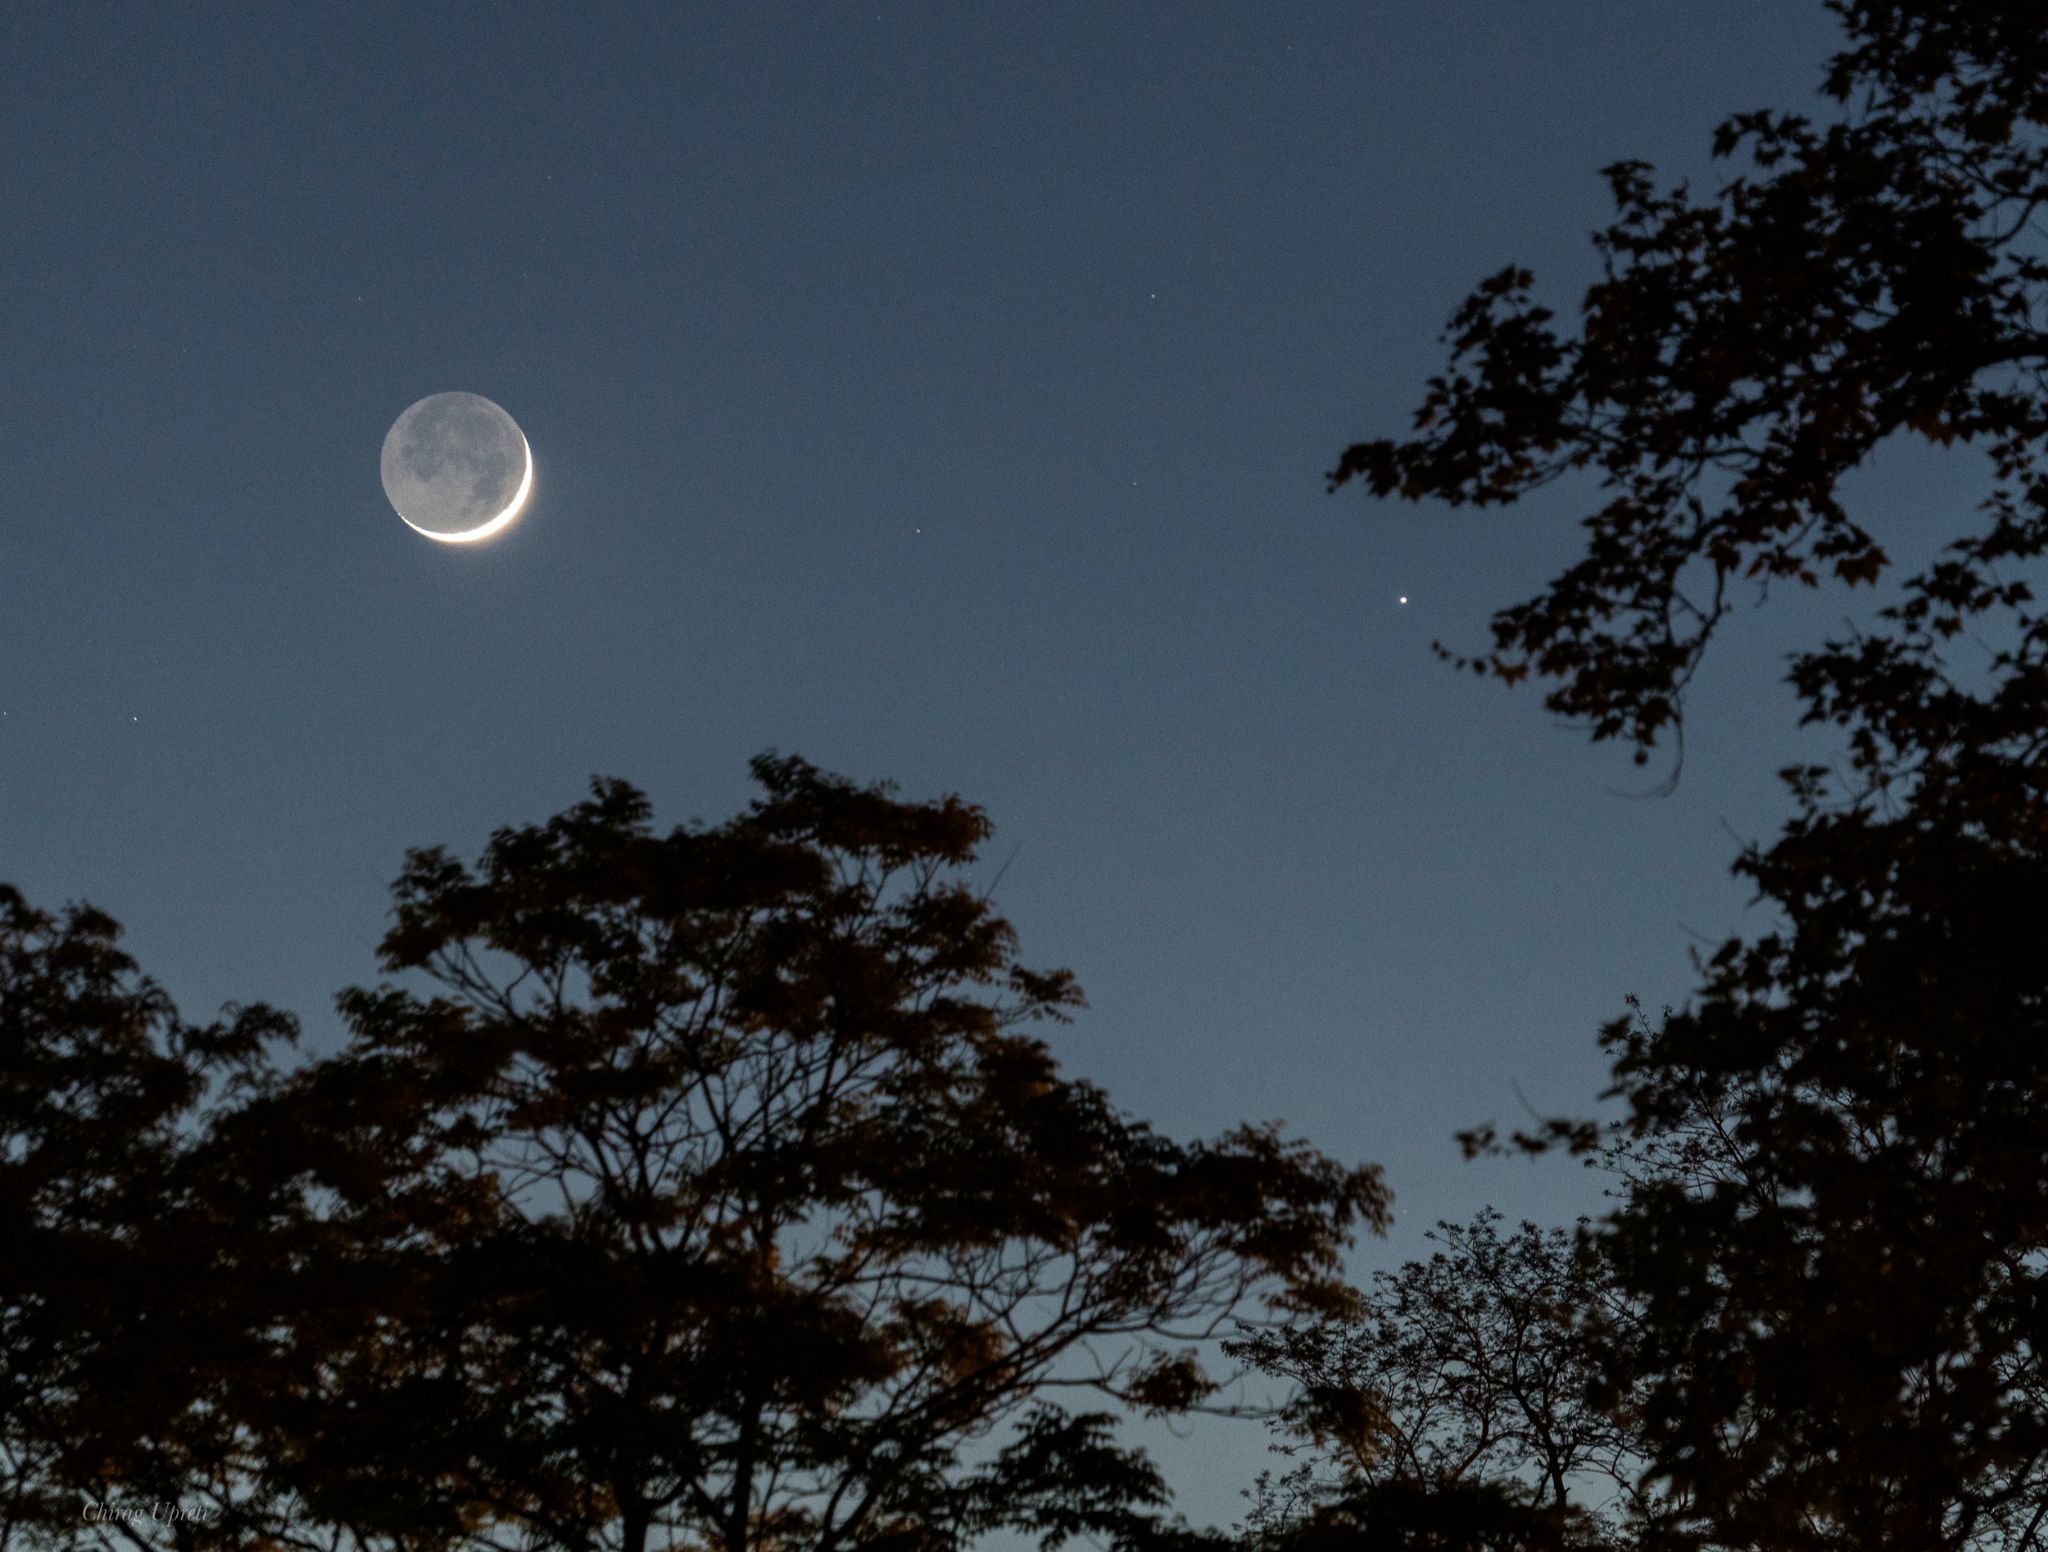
(1404, 598)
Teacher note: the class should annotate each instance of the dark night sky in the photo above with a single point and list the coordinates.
(940, 392)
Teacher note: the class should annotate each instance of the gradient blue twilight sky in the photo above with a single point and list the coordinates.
(942, 392)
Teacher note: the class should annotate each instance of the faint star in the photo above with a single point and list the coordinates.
(1404, 598)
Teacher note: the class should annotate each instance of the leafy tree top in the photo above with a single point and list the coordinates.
(1877, 274)
(713, 1181)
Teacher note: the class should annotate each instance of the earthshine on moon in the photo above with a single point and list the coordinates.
(456, 467)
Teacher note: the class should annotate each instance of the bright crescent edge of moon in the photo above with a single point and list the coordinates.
(485, 530)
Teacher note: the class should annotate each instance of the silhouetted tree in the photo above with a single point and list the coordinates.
(1837, 1215)
(1460, 1403)
(114, 1325)
(1835, 1224)
(707, 1190)
(1876, 274)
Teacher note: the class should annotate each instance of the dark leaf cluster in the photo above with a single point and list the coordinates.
(1873, 274)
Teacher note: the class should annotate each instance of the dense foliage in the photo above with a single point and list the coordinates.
(1875, 274)
(1834, 1228)
(702, 1188)
(116, 1210)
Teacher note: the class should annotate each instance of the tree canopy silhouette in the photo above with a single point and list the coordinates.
(112, 1209)
(1837, 1214)
(1461, 1405)
(1834, 1228)
(707, 1188)
(1877, 274)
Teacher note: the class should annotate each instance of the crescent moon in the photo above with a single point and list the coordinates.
(472, 535)
(448, 468)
